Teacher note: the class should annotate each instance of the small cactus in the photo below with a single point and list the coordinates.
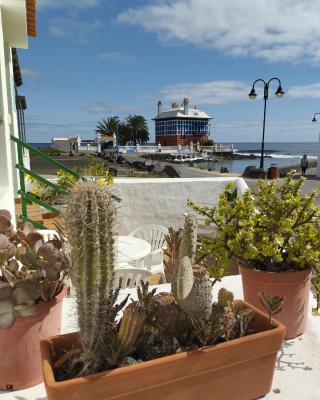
(187, 242)
(171, 263)
(189, 238)
(194, 290)
(131, 326)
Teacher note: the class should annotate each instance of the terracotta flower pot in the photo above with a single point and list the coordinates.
(20, 360)
(294, 286)
(240, 369)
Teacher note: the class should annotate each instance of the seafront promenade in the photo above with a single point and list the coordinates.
(42, 167)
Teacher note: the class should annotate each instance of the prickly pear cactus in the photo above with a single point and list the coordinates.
(91, 224)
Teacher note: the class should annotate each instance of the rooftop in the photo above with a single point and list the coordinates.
(178, 112)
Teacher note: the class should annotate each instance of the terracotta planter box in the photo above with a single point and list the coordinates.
(241, 369)
(20, 359)
(295, 286)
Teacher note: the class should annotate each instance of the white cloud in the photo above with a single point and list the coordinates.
(275, 30)
(110, 108)
(115, 56)
(41, 129)
(75, 28)
(67, 3)
(31, 73)
(214, 92)
(305, 91)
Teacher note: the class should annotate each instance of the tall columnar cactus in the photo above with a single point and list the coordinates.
(91, 224)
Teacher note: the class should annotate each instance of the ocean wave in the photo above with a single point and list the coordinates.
(277, 155)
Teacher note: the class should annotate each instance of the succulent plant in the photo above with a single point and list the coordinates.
(194, 290)
(172, 253)
(30, 270)
(188, 245)
(156, 324)
(6, 228)
(90, 220)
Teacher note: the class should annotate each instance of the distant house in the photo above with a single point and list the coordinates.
(181, 125)
(66, 143)
(105, 142)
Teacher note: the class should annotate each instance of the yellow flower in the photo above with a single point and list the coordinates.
(35, 190)
(102, 181)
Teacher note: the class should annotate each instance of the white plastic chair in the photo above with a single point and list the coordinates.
(130, 277)
(155, 235)
(48, 234)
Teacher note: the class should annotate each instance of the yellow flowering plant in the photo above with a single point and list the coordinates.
(65, 181)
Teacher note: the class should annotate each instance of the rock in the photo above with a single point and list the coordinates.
(252, 172)
(171, 171)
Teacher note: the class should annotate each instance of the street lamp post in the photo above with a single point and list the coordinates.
(314, 119)
(252, 95)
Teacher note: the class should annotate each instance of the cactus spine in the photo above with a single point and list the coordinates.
(90, 221)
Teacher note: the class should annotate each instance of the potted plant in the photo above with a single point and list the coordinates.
(31, 291)
(166, 345)
(274, 232)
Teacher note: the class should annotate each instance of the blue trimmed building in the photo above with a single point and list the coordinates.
(181, 125)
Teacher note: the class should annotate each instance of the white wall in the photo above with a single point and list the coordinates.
(13, 33)
(6, 175)
(164, 200)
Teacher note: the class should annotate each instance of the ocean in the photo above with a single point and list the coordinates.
(40, 145)
(281, 154)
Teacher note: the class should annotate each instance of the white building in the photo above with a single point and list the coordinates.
(66, 143)
(17, 22)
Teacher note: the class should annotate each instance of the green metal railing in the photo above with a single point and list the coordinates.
(26, 197)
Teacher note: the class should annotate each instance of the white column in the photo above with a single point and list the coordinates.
(318, 161)
(6, 156)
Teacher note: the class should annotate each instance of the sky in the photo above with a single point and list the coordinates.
(94, 59)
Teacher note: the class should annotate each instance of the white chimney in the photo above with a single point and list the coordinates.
(159, 107)
(185, 106)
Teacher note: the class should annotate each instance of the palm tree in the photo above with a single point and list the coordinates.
(124, 135)
(138, 128)
(108, 126)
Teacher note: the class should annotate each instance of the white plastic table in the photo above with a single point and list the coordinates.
(129, 248)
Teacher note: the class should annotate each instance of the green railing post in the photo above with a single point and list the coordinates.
(24, 212)
(29, 197)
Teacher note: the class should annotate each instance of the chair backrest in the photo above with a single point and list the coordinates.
(153, 234)
(130, 277)
(48, 234)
